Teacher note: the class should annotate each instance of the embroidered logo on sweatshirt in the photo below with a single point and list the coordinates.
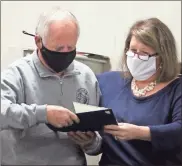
(82, 96)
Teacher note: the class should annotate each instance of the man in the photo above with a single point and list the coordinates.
(40, 89)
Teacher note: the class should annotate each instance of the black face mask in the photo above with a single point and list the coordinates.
(58, 61)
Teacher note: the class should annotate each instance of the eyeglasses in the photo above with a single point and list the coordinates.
(144, 57)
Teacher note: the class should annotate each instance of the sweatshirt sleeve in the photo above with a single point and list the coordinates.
(169, 136)
(14, 112)
(95, 147)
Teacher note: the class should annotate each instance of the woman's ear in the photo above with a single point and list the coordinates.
(38, 41)
(158, 62)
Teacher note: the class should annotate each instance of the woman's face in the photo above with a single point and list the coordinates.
(142, 61)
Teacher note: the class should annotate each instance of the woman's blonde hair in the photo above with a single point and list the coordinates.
(154, 33)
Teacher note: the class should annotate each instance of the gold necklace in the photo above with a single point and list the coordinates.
(142, 91)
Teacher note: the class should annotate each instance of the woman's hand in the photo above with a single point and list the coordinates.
(82, 138)
(126, 131)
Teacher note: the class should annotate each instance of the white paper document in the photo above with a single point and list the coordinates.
(81, 108)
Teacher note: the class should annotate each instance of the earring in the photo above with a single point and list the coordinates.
(160, 66)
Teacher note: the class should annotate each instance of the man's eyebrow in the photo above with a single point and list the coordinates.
(59, 48)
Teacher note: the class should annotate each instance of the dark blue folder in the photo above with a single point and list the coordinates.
(90, 121)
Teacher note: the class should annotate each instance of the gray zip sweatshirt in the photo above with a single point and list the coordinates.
(26, 86)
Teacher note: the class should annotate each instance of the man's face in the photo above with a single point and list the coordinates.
(61, 37)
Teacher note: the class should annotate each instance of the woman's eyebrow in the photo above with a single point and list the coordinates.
(145, 50)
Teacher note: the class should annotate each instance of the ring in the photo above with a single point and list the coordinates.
(115, 137)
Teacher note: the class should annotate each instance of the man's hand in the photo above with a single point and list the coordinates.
(82, 138)
(60, 117)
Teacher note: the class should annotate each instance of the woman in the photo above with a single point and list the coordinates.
(146, 100)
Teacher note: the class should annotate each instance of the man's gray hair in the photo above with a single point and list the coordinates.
(54, 14)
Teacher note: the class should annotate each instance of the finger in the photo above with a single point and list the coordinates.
(90, 134)
(71, 134)
(73, 138)
(112, 132)
(82, 136)
(65, 124)
(117, 138)
(59, 125)
(74, 117)
(69, 121)
(77, 138)
(60, 122)
(120, 138)
(111, 127)
(121, 124)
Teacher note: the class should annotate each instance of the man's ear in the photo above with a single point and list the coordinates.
(38, 41)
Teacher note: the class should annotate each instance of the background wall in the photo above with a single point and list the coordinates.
(104, 25)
